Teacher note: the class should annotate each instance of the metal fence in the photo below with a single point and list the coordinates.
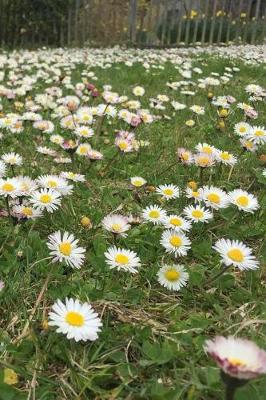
(35, 23)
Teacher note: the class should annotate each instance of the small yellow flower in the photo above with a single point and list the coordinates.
(210, 95)
(45, 325)
(10, 376)
(86, 222)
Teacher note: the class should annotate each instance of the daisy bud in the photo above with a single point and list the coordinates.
(45, 325)
(86, 222)
(106, 141)
(210, 95)
(223, 113)
(190, 123)
(193, 185)
(221, 125)
(150, 188)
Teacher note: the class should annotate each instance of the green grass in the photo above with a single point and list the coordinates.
(151, 344)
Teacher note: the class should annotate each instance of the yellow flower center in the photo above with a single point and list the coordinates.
(168, 192)
(116, 227)
(154, 214)
(242, 129)
(27, 211)
(214, 198)
(195, 194)
(249, 145)
(176, 221)
(65, 248)
(121, 259)
(176, 241)
(203, 160)
(259, 133)
(12, 160)
(236, 255)
(225, 156)
(242, 201)
(83, 132)
(236, 362)
(172, 275)
(52, 184)
(123, 145)
(45, 198)
(137, 183)
(185, 156)
(86, 117)
(8, 187)
(74, 318)
(83, 150)
(197, 213)
(207, 150)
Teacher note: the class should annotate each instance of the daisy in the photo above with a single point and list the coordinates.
(193, 194)
(248, 145)
(26, 211)
(137, 181)
(55, 182)
(154, 214)
(9, 187)
(138, 91)
(242, 128)
(84, 115)
(185, 156)
(12, 159)
(236, 253)
(197, 109)
(64, 247)
(94, 155)
(204, 160)
(83, 149)
(122, 259)
(205, 148)
(244, 200)
(26, 185)
(197, 214)
(177, 223)
(46, 199)
(257, 135)
(239, 358)
(173, 277)
(116, 223)
(84, 131)
(75, 320)
(214, 197)
(225, 157)
(175, 242)
(73, 176)
(168, 192)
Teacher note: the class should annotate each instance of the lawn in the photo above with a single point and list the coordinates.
(151, 342)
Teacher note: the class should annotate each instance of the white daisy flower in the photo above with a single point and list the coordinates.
(193, 194)
(83, 149)
(137, 181)
(177, 223)
(257, 135)
(46, 199)
(122, 259)
(225, 157)
(204, 160)
(9, 187)
(75, 320)
(236, 253)
(243, 200)
(173, 277)
(72, 176)
(175, 242)
(239, 358)
(214, 197)
(154, 214)
(197, 213)
(248, 145)
(138, 91)
(12, 159)
(64, 248)
(116, 223)
(56, 183)
(26, 211)
(168, 192)
(242, 128)
(205, 148)
(84, 131)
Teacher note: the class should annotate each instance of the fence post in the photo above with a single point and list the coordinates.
(132, 20)
(213, 22)
(257, 13)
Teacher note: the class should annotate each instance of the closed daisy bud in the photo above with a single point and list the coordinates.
(45, 325)
(221, 125)
(192, 184)
(86, 222)
(190, 123)
(210, 95)
(151, 188)
(223, 113)
(10, 376)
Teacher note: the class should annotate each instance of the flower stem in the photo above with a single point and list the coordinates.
(230, 392)
(223, 270)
